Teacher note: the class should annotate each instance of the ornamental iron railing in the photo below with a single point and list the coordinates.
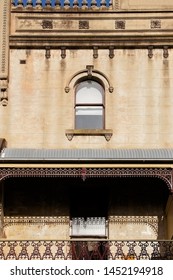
(86, 250)
(61, 3)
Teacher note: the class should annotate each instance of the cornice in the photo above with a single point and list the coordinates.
(82, 30)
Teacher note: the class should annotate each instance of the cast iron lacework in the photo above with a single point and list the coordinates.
(151, 221)
(31, 220)
(58, 4)
(164, 174)
(86, 250)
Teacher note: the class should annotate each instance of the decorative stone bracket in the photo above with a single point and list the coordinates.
(165, 52)
(150, 51)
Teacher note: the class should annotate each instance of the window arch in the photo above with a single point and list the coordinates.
(89, 105)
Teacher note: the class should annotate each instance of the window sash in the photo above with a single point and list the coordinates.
(89, 117)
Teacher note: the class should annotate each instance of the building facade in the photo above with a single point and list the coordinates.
(86, 129)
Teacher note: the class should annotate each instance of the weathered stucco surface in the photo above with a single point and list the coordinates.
(139, 111)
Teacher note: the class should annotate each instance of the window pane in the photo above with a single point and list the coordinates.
(89, 92)
(89, 122)
(87, 110)
(89, 118)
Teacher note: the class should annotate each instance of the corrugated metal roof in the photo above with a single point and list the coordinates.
(85, 154)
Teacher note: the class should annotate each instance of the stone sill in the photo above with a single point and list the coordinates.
(107, 133)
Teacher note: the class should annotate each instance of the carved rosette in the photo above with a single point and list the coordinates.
(4, 50)
(120, 24)
(83, 24)
(155, 24)
(47, 24)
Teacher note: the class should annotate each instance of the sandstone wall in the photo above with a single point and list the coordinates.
(139, 110)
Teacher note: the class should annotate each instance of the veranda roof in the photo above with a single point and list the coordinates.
(9, 154)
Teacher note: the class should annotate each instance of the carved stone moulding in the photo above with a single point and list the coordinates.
(116, 4)
(165, 174)
(88, 73)
(3, 92)
(4, 50)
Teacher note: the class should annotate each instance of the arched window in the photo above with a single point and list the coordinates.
(89, 105)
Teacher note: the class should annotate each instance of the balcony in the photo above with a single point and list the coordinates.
(100, 249)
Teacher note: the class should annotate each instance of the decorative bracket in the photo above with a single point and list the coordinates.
(165, 52)
(63, 52)
(47, 53)
(95, 52)
(111, 52)
(150, 51)
(90, 69)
